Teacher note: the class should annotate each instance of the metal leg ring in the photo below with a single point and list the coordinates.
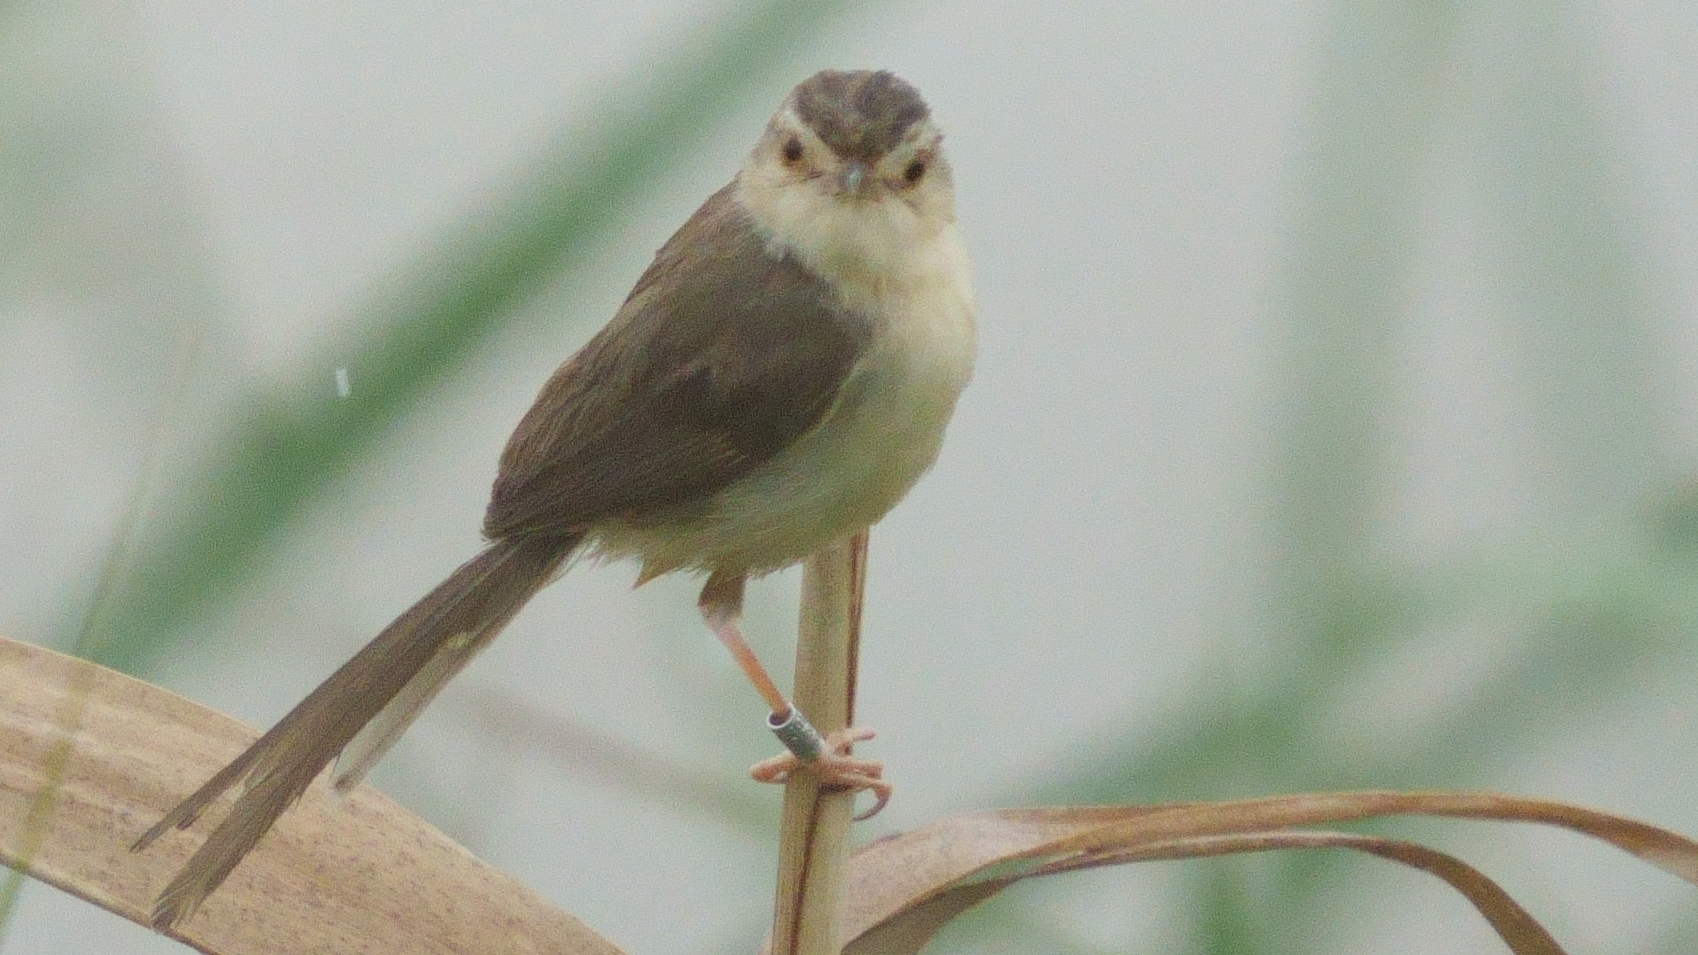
(797, 735)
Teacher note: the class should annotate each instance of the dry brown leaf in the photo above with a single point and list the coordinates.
(912, 929)
(1523, 933)
(1666, 850)
(358, 875)
(903, 889)
(363, 875)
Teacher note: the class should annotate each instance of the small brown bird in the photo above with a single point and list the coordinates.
(779, 378)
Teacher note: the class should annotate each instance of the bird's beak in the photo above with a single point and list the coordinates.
(854, 179)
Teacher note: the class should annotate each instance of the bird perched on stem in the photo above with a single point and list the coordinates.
(778, 379)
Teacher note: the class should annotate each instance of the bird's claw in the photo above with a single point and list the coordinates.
(835, 768)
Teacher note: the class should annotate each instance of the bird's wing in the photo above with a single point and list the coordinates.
(723, 355)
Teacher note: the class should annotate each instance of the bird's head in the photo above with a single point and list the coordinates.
(850, 174)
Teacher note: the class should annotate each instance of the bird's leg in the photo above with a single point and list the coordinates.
(721, 604)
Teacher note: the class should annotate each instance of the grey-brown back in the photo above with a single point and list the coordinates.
(722, 356)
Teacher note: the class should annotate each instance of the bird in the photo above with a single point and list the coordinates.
(778, 379)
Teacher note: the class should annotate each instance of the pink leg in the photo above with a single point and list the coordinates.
(721, 604)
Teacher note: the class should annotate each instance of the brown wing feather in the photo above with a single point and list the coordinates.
(720, 358)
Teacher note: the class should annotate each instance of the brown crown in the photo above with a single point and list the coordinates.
(860, 114)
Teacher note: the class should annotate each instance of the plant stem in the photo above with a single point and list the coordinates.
(813, 842)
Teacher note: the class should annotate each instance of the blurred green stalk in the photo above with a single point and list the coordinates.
(286, 447)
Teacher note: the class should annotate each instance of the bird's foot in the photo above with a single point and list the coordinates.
(834, 768)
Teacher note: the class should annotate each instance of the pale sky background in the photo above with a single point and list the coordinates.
(1089, 548)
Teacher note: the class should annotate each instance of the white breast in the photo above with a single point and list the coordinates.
(875, 442)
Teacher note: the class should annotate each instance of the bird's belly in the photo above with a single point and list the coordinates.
(882, 434)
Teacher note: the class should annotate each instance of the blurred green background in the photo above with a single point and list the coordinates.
(1333, 427)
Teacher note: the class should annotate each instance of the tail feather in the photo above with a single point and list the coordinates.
(384, 687)
(373, 742)
(450, 657)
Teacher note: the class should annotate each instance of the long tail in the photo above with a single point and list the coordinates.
(384, 686)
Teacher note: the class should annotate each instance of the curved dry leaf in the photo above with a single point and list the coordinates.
(90, 758)
(1518, 929)
(1666, 850)
(912, 929)
(904, 888)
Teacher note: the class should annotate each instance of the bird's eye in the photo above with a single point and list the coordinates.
(915, 170)
(793, 150)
